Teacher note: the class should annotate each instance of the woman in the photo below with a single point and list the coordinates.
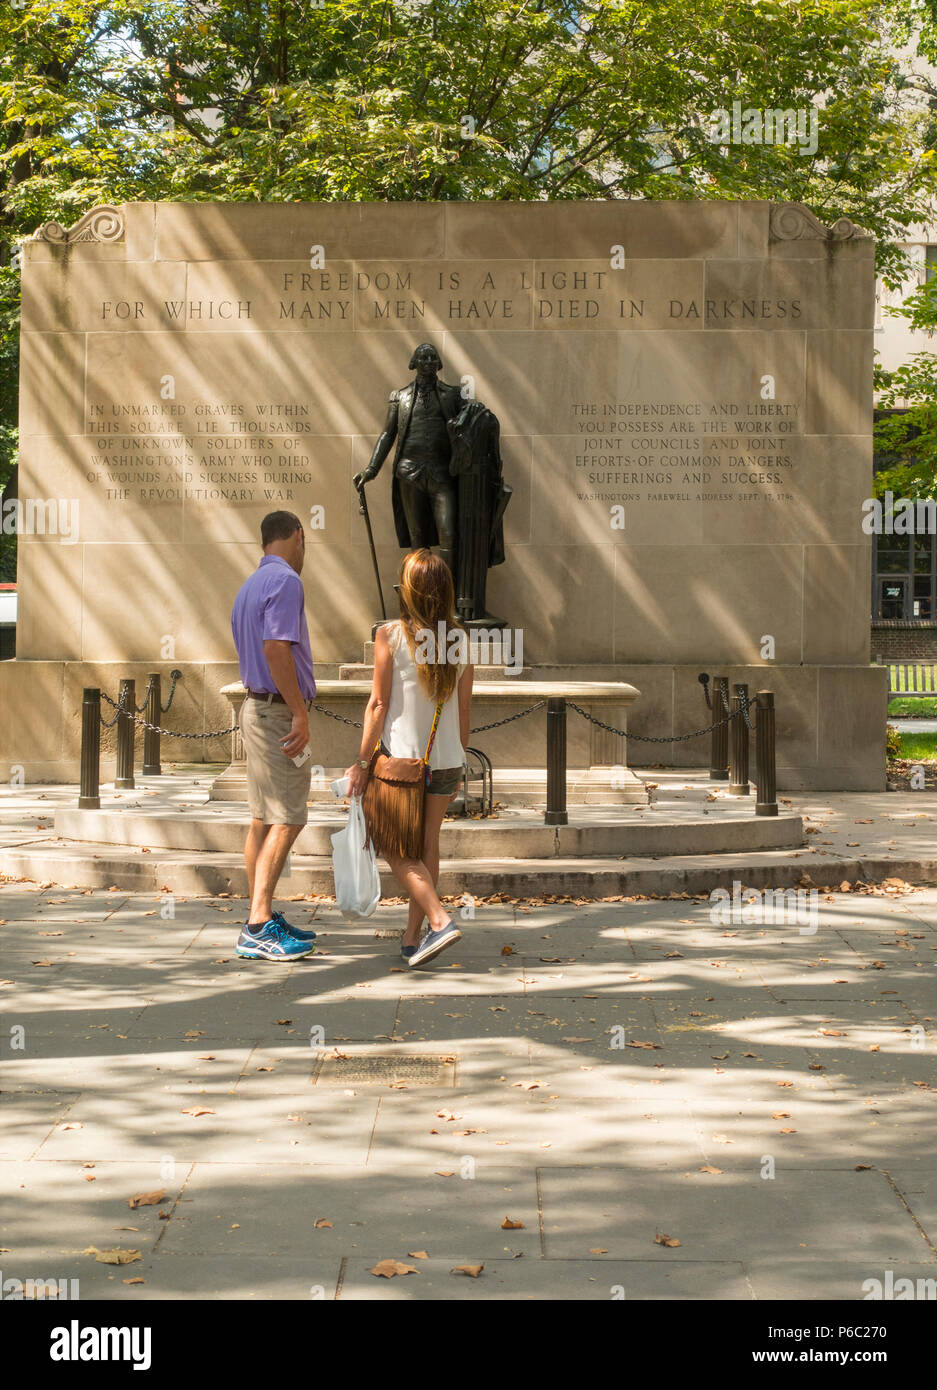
(412, 675)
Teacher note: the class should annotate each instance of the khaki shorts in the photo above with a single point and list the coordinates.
(277, 790)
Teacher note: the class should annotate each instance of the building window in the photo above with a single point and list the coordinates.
(904, 568)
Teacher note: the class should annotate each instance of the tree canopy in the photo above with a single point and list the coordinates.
(454, 99)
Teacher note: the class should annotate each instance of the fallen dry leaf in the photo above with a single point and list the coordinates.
(709, 1168)
(321, 1222)
(116, 1257)
(386, 1269)
(418, 1254)
(472, 1271)
(146, 1199)
(670, 1241)
(508, 1225)
(196, 1110)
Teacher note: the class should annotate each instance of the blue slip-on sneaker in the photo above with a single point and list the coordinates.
(272, 942)
(434, 942)
(294, 931)
(408, 951)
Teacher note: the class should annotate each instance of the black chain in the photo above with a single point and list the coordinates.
(146, 698)
(169, 733)
(176, 676)
(743, 710)
(645, 738)
(510, 719)
(109, 723)
(481, 730)
(353, 723)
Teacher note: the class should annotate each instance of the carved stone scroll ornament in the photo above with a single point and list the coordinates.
(794, 222)
(103, 223)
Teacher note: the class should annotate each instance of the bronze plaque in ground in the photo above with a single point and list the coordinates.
(382, 1069)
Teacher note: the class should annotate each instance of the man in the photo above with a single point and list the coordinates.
(275, 659)
(423, 492)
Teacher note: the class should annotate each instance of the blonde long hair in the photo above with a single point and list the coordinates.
(427, 599)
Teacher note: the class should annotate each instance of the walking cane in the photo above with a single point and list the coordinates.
(363, 509)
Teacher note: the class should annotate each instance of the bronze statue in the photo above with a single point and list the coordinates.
(447, 487)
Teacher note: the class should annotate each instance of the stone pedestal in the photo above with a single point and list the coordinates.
(597, 768)
(232, 784)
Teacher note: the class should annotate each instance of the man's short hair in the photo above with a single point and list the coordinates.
(278, 526)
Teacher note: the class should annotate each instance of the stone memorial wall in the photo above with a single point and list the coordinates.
(684, 394)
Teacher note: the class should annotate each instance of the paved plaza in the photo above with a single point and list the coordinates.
(571, 1084)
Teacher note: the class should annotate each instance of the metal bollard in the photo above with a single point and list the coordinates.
(738, 760)
(89, 798)
(555, 813)
(765, 773)
(719, 754)
(151, 764)
(126, 730)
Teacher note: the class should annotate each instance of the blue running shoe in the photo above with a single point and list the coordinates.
(272, 942)
(434, 942)
(294, 931)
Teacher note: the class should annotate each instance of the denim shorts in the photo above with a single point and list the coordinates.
(443, 781)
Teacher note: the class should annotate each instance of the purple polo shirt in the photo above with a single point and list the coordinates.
(271, 607)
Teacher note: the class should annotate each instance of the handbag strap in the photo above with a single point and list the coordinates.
(432, 736)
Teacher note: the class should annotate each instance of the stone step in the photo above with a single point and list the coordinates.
(508, 838)
(191, 874)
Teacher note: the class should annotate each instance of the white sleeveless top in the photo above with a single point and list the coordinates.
(410, 711)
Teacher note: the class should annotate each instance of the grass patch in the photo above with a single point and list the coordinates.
(918, 747)
(913, 707)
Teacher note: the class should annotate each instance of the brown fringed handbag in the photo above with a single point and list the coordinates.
(393, 800)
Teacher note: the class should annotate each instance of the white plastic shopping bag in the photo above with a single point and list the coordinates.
(357, 881)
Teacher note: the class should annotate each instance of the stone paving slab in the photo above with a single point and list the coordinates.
(448, 1019)
(580, 1280)
(57, 1209)
(451, 1217)
(26, 1120)
(240, 1128)
(260, 1278)
(732, 1215)
(820, 1279)
(547, 1127)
